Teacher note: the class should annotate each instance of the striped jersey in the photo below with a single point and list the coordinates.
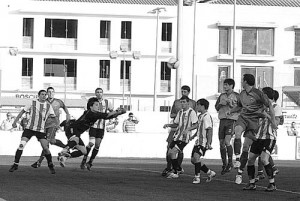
(129, 126)
(224, 110)
(39, 112)
(56, 105)
(253, 103)
(205, 122)
(184, 119)
(265, 130)
(104, 107)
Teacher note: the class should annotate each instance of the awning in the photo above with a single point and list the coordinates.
(293, 93)
(21, 102)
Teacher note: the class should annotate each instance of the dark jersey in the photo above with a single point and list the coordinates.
(87, 119)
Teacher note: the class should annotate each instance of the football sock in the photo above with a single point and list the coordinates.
(269, 171)
(251, 171)
(204, 168)
(18, 156)
(75, 154)
(175, 165)
(260, 166)
(271, 162)
(180, 158)
(94, 154)
(48, 158)
(197, 168)
(223, 156)
(169, 163)
(243, 159)
(237, 146)
(71, 144)
(229, 154)
(59, 143)
(40, 160)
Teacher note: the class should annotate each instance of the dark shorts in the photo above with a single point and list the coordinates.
(96, 133)
(226, 127)
(248, 123)
(199, 150)
(178, 144)
(51, 132)
(266, 145)
(170, 136)
(29, 133)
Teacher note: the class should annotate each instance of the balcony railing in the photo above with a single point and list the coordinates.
(60, 43)
(166, 46)
(165, 86)
(27, 42)
(104, 83)
(27, 82)
(126, 43)
(104, 44)
(126, 86)
(58, 83)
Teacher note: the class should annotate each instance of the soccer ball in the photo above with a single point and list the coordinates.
(173, 63)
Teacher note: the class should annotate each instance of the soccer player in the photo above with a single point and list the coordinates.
(264, 145)
(96, 131)
(85, 121)
(39, 110)
(52, 125)
(260, 172)
(204, 139)
(227, 101)
(185, 118)
(176, 107)
(253, 103)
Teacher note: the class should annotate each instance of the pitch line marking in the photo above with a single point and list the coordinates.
(224, 180)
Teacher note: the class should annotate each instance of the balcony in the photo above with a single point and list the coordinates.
(27, 82)
(104, 44)
(60, 43)
(104, 83)
(58, 83)
(166, 46)
(165, 86)
(126, 85)
(126, 43)
(27, 42)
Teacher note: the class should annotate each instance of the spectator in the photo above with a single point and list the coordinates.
(129, 124)
(7, 123)
(111, 125)
(293, 131)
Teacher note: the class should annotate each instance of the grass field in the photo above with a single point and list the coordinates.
(135, 179)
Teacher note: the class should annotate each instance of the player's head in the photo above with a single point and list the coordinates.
(50, 92)
(269, 92)
(248, 79)
(42, 95)
(228, 84)
(185, 90)
(276, 95)
(202, 105)
(93, 104)
(184, 101)
(99, 93)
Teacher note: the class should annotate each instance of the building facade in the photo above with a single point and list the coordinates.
(77, 46)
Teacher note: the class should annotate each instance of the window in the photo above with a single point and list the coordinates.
(297, 76)
(165, 71)
(104, 29)
(27, 66)
(126, 30)
(165, 77)
(61, 28)
(223, 73)
(224, 40)
(263, 75)
(27, 26)
(127, 69)
(104, 69)
(297, 42)
(166, 33)
(56, 67)
(257, 41)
